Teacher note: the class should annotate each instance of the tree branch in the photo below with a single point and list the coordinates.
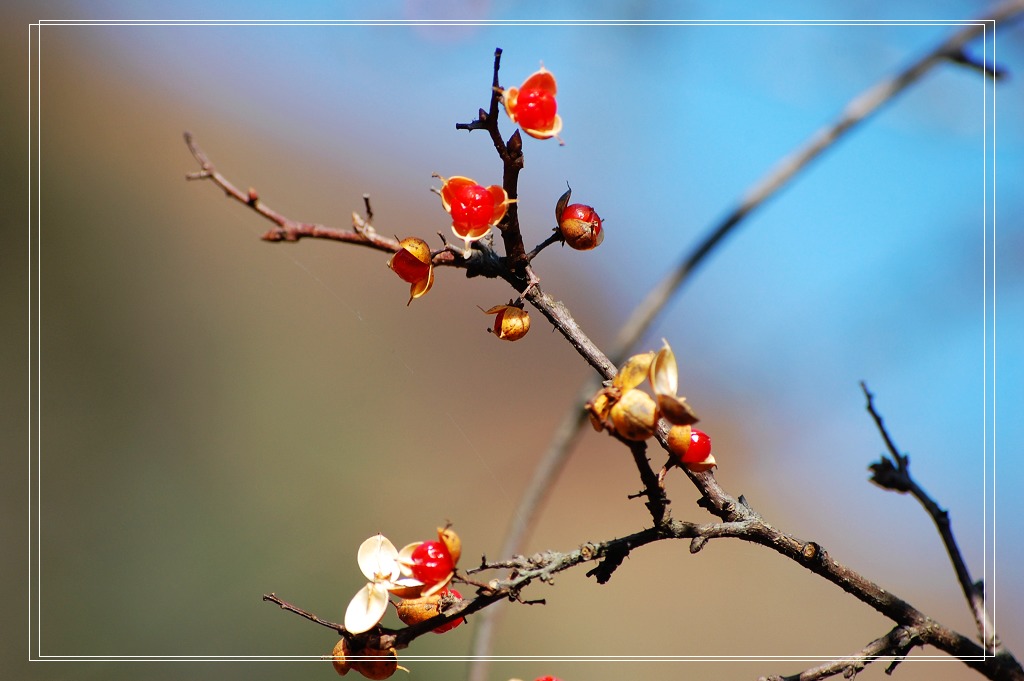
(894, 474)
(287, 229)
(552, 463)
(919, 629)
(511, 154)
(739, 520)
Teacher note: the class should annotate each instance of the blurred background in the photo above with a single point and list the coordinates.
(220, 417)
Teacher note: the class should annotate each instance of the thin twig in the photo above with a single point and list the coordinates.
(897, 478)
(285, 605)
(483, 261)
(555, 237)
(657, 502)
(287, 229)
(549, 468)
(896, 643)
(511, 154)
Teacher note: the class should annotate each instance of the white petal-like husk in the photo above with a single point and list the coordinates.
(378, 559)
(664, 372)
(405, 557)
(366, 608)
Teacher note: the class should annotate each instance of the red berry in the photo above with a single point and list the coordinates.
(700, 447)
(581, 227)
(533, 105)
(431, 562)
(578, 211)
(472, 208)
(535, 109)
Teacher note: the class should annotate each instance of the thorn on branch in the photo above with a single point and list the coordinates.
(515, 145)
(369, 210)
(478, 124)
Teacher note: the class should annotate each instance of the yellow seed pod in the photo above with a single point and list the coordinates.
(635, 415)
(415, 610)
(338, 657)
(451, 541)
(678, 439)
(634, 371)
(382, 666)
(598, 409)
(511, 322)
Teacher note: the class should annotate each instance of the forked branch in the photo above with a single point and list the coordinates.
(894, 474)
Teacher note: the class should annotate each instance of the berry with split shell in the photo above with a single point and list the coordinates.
(430, 562)
(581, 227)
(510, 323)
(474, 208)
(413, 263)
(691, 448)
(533, 105)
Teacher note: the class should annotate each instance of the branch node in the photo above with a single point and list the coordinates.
(811, 551)
(991, 70)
